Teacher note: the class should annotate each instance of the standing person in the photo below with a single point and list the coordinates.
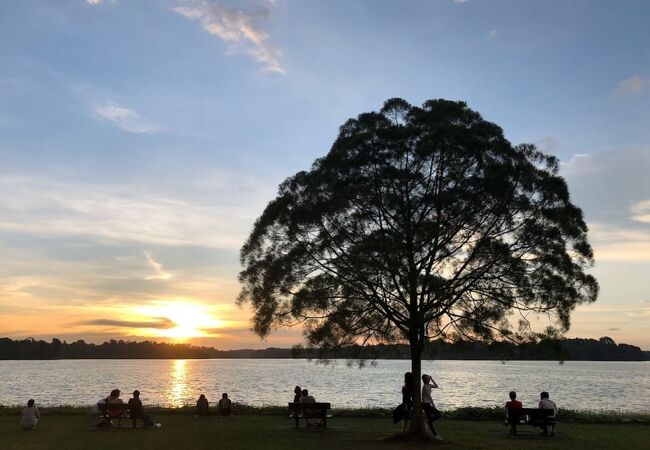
(225, 405)
(202, 406)
(297, 393)
(546, 403)
(136, 410)
(429, 407)
(407, 399)
(29, 416)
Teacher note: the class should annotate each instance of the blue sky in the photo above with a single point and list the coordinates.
(140, 139)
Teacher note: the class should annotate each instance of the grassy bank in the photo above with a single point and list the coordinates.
(270, 432)
(467, 413)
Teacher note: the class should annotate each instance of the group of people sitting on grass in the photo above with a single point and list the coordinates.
(224, 406)
(542, 422)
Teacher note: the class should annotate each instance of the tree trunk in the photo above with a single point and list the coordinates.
(417, 426)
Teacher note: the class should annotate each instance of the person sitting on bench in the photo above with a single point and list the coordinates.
(546, 403)
(225, 405)
(114, 398)
(513, 404)
(306, 398)
(136, 410)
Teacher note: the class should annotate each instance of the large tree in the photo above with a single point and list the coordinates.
(419, 222)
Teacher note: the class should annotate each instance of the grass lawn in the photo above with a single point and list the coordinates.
(72, 432)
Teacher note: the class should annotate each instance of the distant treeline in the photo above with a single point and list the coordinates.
(603, 349)
(56, 349)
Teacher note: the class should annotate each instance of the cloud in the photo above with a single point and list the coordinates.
(641, 211)
(619, 244)
(162, 323)
(123, 117)
(235, 27)
(631, 86)
(579, 163)
(493, 33)
(99, 2)
(460, 1)
(548, 145)
(208, 217)
(159, 271)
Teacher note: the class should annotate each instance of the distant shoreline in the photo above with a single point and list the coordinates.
(603, 349)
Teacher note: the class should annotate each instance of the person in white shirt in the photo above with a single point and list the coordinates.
(29, 417)
(306, 398)
(546, 403)
(428, 406)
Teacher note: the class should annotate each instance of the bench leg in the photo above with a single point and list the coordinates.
(297, 419)
(325, 422)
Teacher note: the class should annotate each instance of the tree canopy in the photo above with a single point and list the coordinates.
(419, 222)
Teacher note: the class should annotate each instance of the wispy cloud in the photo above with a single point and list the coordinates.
(460, 1)
(159, 271)
(124, 118)
(614, 243)
(641, 211)
(579, 163)
(237, 28)
(99, 2)
(161, 323)
(631, 86)
(493, 33)
(548, 144)
(108, 213)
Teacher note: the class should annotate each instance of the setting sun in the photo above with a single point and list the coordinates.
(187, 320)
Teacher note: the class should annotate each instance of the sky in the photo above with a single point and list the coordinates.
(140, 139)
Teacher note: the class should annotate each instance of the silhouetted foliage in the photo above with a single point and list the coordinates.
(419, 223)
(33, 349)
(563, 350)
(568, 349)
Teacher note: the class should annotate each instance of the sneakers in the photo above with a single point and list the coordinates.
(437, 437)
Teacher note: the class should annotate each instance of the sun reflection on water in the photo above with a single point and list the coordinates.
(178, 382)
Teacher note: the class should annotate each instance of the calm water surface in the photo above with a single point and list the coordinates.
(581, 385)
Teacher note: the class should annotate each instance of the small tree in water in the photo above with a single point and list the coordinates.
(420, 222)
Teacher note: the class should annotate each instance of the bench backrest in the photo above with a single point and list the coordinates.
(112, 407)
(301, 405)
(514, 413)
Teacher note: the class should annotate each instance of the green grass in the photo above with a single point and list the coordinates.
(269, 432)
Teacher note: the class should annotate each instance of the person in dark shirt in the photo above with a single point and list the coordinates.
(297, 393)
(202, 406)
(225, 405)
(513, 418)
(136, 410)
(407, 399)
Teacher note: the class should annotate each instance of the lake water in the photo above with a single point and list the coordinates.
(579, 385)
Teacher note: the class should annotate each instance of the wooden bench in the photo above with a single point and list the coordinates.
(530, 416)
(310, 411)
(110, 411)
